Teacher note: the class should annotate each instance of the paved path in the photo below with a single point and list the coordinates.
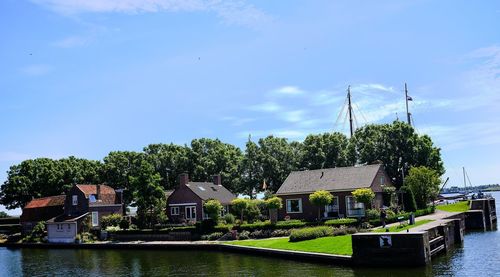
(436, 216)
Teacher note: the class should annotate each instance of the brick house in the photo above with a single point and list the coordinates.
(41, 209)
(84, 202)
(340, 181)
(185, 203)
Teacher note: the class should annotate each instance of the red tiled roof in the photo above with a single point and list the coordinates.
(92, 189)
(50, 201)
(107, 194)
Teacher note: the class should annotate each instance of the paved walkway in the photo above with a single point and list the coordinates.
(436, 216)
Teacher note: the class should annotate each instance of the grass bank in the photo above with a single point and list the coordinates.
(461, 206)
(400, 228)
(339, 245)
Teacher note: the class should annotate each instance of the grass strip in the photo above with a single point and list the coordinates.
(339, 245)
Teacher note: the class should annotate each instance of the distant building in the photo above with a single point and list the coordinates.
(185, 203)
(340, 181)
(41, 209)
(84, 205)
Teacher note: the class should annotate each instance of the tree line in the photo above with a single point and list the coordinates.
(268, 160)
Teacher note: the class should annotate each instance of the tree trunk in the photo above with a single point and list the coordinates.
(273, 215)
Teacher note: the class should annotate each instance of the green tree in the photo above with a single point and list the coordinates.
(149, 196)
(325, 151)
(213, 208)
(365, 196)
(118, 169)
(408, 200)
(239, 206)
(277, 158)
(43, 177)
(424, 183)
(3, 214)
(320, 199)
(273, 204)
(251, 170)
(169, 161)
(398, 147)
(209, 157)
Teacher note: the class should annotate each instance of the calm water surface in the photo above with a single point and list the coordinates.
(479, 256)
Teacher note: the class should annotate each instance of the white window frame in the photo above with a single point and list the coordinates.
(192, 212)
(382, 180)
(95, 219)
(288, 206)
(174, 210)
(75, 200)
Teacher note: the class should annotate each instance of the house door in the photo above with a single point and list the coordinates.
(190, 213)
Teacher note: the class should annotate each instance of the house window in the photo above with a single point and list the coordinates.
(174, 210)
(92, 198)
(382, 180)
(190, 212)
(95, 219)
(75, 200)
(294, 205)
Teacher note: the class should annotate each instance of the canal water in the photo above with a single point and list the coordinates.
(479, 256)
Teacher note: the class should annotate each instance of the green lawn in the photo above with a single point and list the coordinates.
(340, 245)
(461, 206)
(397, 228)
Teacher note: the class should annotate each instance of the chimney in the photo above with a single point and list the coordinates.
(98, 188)
(217, 179)
(183, 179)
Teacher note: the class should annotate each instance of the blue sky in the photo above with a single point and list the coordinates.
(84, 77)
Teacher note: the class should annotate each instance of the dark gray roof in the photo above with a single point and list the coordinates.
(330, 179)
(211, 191)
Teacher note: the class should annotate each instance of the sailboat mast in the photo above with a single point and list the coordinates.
(465, 182)
(406, 100)
(350, 110)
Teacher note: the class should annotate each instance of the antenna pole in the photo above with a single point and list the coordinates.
(350, 109)
(406, 99)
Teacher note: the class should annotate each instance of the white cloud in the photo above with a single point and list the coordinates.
(292, 116)
(269, 107)
(288, 90)
(369, 88)
(71, 41)
(231, 11)
(36, 69)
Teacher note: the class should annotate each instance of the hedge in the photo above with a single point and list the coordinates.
(341, 221)
(405, 215)
(151, 231)
(310, 233)
(267, 225)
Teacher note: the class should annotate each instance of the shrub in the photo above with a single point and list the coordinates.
(364, 196)
(112, 228)
(260, 234)
(244, 235)
(222, 228)
(229, 218)
(239, 206)
(290, 224)
(212, 236)
(320, 198)
(281, 233)
(372, 214)
(341, 221)
(310, 233)
(37, 234)
(274, 203)
(252, 212)
(408, 199)
(213, 208)
(342, 230)
(110, 220)
(124, 224)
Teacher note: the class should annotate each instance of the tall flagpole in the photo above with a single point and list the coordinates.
(406, 99)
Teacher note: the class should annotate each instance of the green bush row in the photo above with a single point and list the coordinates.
(405, 216)
(341, 221)
(310, 233)
(267, 225)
